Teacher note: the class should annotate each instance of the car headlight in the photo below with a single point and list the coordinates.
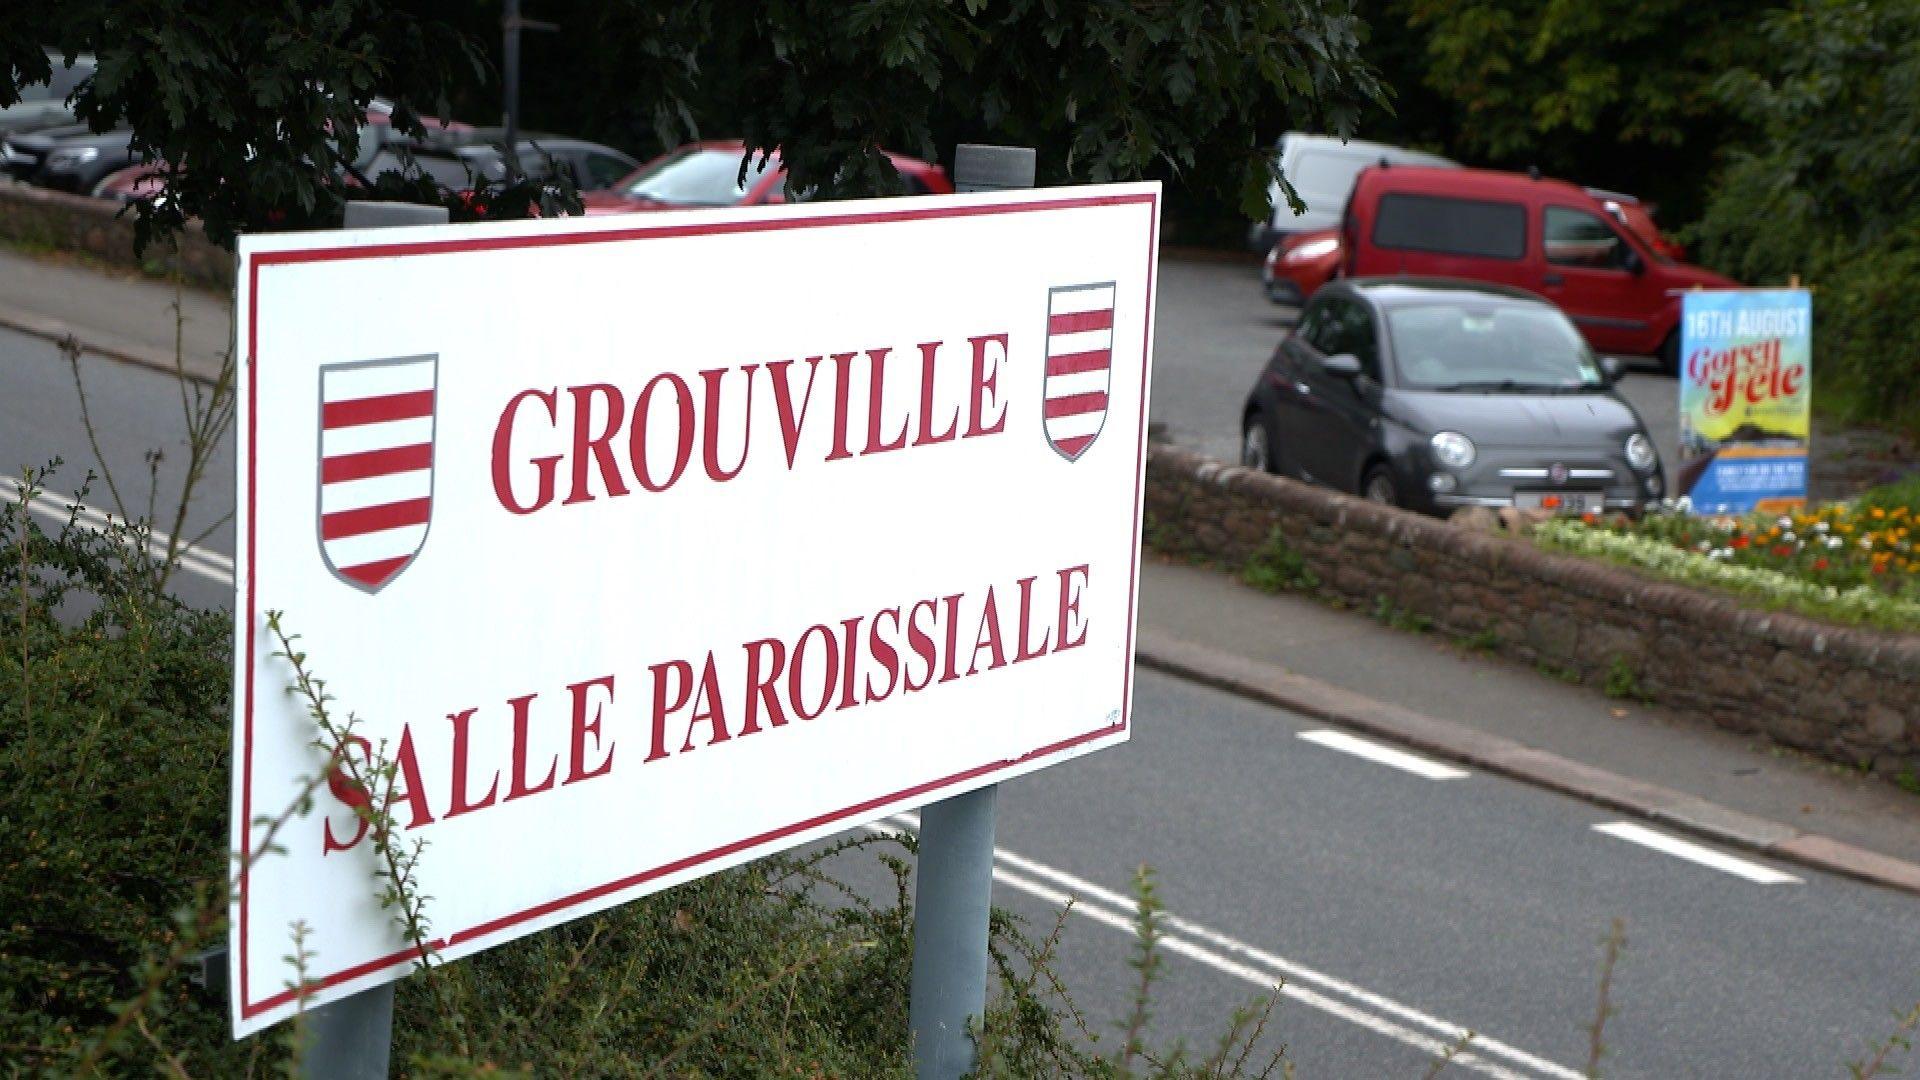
(1452, 449)
(67, 159)
(1313, 249)
(1640, 453)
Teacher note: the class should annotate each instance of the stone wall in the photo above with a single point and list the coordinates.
(1849, 694)
(38, 217)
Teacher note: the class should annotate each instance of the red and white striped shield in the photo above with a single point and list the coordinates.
(376, 466)
(1079, 365)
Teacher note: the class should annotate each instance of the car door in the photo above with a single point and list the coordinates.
(1348, 406)
(1589, 269)
(1291, 393)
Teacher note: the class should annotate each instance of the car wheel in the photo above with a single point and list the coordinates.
(1379, 486)
(1256, 444)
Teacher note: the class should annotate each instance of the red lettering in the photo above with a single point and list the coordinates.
(518, 788)
(1070, 606)
(710, 442)
(922, 645)
(848, 658)
(760, 691)
(577, 769)
(1028, 650)
(543, 467)
(798, 668)
(876, 396)
(988, 637)
(884, 652)
(843, 378)
(460, 804)
(790, 423)
(953, 637)
(928, 352)
(637, 437)
(986, 379)
(707, 707)
(596, 445)
(415, 792)
(351, 795)
(661, 708)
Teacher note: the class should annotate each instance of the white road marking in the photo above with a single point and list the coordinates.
(1264, 969)
(53, 506)
(1381, 754)
(1692, 852)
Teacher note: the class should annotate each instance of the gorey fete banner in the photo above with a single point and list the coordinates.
(641, 546)
(1746, 391)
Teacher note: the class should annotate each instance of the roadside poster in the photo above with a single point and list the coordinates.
(1746, 391)
(641, 546)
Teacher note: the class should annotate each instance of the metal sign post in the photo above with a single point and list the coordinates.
(953, 891)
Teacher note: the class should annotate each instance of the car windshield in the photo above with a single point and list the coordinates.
(1511, 348)
(700, 178)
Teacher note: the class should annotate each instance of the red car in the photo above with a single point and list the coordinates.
(1546, 236)
(1299, 264)
(708, 174)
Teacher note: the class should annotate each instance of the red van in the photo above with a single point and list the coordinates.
(1546, 236)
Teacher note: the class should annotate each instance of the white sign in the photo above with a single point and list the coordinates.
(650, 544)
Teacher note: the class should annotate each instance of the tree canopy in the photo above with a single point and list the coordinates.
(256, 106)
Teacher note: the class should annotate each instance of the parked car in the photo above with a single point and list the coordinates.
(1299, 264)
(708, 174)
(1630, 212)
(44, 105)
(77, 163)
(24, 151)
(1322, 170)
(1548, 237)
(1434, 394)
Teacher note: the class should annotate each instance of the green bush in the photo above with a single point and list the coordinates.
(1828, 188)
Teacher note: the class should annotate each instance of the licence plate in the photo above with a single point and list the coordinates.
(1561, 502)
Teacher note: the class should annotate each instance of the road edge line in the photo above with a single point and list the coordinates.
(1274, 685)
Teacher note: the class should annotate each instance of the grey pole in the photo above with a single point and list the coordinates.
(352, 1039)
(953, 895)
(953, 890)
(349, 1039)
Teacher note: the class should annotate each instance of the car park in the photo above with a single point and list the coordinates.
(1435, 395)
(1322, 170)
(708, 174)
(1546, 236)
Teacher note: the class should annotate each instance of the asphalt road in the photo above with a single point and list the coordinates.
(1399, 908)
(1216, 330)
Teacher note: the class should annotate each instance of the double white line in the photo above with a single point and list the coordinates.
(1317, 990)
(58, 508)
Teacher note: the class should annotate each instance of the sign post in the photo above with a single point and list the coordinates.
(953, 890)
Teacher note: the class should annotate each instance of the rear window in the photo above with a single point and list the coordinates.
(1487, 230)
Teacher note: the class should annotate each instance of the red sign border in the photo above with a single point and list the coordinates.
(250, 1008)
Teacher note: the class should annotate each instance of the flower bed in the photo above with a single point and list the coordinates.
(1855, 562)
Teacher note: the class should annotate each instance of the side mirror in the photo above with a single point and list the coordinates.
(1611, 368)
(1635, 264)
(1345, 365)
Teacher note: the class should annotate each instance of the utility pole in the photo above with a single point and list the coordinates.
(511, 24)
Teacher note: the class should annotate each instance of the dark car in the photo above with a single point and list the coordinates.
(23, 152)
(1435, 394)
(78, 162)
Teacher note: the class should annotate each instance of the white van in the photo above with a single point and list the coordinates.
(1322, 169)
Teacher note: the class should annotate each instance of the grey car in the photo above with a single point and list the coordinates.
(1435, 394)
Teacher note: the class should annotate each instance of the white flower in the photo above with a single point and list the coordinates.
(1785, 522)
(1820, 526)
(1834, 542)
